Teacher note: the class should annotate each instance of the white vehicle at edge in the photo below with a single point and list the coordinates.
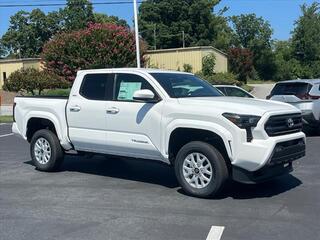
(168, 116)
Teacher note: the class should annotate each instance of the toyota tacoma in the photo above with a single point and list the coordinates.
(167, 116)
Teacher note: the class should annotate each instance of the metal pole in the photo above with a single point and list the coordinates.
(155, 37)
(136, 32)
(183, 40)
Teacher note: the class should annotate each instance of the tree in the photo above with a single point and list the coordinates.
(27, 33)
(32, 81)
(103, 18)
(254, 33)
(2, 50)
(98, 46)
(77, 14)
(172, 23)
(241, 63)
(305, 38)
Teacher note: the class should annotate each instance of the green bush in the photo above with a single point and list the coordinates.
(187, 67)
(98, 46)
(221, 79)
(208, 63)
(33, 81)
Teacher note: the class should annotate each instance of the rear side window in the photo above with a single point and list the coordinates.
(96, 86)
(222, 89)
(296, 89)
(236, 92)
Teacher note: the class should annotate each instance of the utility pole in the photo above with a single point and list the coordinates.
(136, 27)
(154, 37)
(183, 40)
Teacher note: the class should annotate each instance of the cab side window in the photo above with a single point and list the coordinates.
(97, 86)
(127, 84)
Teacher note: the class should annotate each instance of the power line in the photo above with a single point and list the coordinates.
(63, 4)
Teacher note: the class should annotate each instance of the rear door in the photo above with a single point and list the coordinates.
(86, 112)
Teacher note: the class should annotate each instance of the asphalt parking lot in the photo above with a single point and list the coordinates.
(101, 198)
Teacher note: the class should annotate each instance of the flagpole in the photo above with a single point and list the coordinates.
(136, 32)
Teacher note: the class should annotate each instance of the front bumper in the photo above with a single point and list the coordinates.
(279, 163)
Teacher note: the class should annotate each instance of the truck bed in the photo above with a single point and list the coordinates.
(52, 108)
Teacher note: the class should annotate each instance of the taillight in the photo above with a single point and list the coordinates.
(307, 96)
(14, 106)
(314, 97)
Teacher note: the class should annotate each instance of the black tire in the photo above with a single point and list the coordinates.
(57, 153)
(219, 169)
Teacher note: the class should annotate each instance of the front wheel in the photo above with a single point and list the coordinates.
(200, 169)
(46, 152)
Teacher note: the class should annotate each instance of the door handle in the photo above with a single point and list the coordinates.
(75, 109)
(112, 110)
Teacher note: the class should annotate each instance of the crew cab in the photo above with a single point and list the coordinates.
(166, 116)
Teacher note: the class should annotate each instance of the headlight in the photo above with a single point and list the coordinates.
(242, 121)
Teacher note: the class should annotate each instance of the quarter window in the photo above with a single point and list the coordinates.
(127, 84)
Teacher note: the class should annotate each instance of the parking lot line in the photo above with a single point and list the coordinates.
(6, 135)
(215, 233)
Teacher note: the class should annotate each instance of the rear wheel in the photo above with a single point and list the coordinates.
(46, 152)
(200, 169)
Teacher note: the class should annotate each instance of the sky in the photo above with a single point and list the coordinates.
(280, 13)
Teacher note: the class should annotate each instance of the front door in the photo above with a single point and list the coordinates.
(133, 127)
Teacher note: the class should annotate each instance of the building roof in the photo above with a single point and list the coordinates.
(186, 49)
(141, 70)
(19, 60)
(311, 81)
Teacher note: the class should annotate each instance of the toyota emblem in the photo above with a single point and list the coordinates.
(290, 122)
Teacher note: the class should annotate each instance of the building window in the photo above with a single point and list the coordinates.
(4, 75)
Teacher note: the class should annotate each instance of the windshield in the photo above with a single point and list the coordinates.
(296, 89)
(179, 85)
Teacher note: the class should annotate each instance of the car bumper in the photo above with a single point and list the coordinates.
(16, 130)
(308, 118)
(279, 162)
(256, 154)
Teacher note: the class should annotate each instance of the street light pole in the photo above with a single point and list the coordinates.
(136, 27)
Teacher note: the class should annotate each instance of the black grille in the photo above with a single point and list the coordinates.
(283, 124)
(288, 151)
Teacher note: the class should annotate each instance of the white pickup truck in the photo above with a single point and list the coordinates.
(167, 116)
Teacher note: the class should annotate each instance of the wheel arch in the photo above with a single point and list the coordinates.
(213, 134)
(38, 122)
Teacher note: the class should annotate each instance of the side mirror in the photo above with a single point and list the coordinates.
(144, 95)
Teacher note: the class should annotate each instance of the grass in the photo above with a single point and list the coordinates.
(6, 119)
(247, 87)
(63, 92)
(261, 82)
(57, 92)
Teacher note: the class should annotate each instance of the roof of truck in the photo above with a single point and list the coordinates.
(310, 81)
(144, 70)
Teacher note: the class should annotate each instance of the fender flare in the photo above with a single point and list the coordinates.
(48, 116)
(203, 125)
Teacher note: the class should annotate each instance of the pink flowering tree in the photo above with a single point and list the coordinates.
(97, 46)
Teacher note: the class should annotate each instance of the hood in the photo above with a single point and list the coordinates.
(238, 105)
